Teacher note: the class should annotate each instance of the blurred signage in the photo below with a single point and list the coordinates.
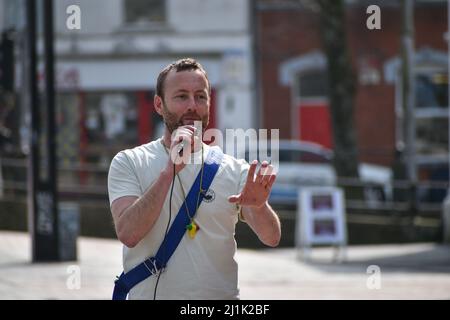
(65, 78)
(320, 218)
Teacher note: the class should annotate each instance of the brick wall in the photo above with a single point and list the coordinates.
(289, 33)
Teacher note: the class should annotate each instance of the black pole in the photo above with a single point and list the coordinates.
(50, 81)
(43, 214)
(51, 116)
(34, 163)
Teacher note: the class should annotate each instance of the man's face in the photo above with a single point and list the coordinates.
(186, 99)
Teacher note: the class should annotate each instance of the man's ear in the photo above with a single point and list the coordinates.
(157, 102)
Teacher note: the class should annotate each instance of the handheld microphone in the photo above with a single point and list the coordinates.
(197, 132)
(181, 146)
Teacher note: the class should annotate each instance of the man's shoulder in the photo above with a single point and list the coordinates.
(231, 162)
(138, 153)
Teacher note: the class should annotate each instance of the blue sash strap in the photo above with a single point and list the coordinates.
(153, 265)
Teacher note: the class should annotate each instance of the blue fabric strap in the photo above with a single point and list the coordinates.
(126, 281)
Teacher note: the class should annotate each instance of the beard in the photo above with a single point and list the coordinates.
(173, 122)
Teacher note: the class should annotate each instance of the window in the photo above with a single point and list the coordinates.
(145, 11)
(109, 124)
(313, 84)
(432, 136)
(432, 90)
(431, 113)
(432, 131)
(431, 116)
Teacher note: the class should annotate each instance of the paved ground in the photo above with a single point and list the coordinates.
(412, 271)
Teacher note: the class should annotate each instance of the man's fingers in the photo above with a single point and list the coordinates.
(262, 172)
(251, 171)
(179, 138)
(183, 133)
(266, 175)
(271, 181)
(234, 199)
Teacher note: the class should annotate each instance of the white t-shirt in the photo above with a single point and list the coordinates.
(200, 268)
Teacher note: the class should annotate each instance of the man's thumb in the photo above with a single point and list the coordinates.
(234, 199)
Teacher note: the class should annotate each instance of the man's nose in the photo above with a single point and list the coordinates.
(191, 104)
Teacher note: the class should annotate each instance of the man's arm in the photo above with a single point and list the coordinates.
(134, 216)
(264, 222)
(256, 211)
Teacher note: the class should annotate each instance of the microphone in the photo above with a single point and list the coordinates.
(197, 132)
(181, 146)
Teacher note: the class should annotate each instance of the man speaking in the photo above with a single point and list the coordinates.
(177, 218)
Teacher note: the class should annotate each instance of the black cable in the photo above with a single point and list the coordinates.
(167, 229)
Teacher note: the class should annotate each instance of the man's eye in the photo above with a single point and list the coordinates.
(181, 96)
(202, 97)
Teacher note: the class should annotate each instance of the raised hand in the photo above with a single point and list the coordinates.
(184, 133)
(257, 188)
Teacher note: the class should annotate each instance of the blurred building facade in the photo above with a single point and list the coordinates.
(292, 63)
(267, 69)
(106, 71)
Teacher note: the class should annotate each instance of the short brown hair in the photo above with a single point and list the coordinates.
(185, 64)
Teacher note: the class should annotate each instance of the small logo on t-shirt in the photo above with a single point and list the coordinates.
(210, 195)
